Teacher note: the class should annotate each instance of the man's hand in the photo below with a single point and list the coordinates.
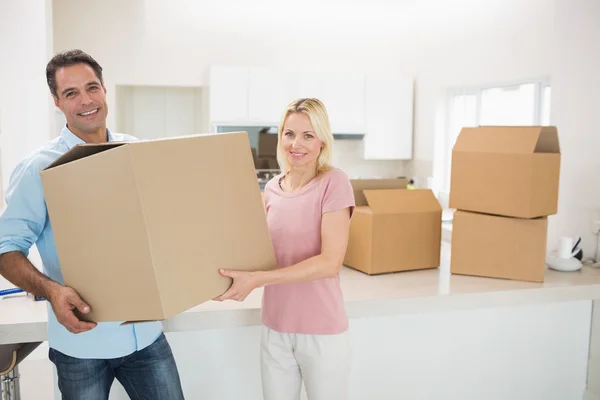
(64, 300)
(243, 284)
(17, 268)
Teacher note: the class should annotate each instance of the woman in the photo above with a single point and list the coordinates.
(308, 208)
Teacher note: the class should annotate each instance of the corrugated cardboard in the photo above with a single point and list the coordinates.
(358, 185)
(499, 247)
(267, 145)
(142, 228)
(503, 170)
(254, 156)
(394, 230)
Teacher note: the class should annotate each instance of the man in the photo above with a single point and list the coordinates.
(88, 356)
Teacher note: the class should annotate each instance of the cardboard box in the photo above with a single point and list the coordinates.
(266, 163)
(502, 170)
(394, 230)
(499, 247)
(267, 145)
(358, 185)
(142, 228)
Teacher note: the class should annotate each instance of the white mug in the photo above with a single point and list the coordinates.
(565, 247)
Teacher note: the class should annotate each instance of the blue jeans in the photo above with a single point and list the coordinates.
(148, 374)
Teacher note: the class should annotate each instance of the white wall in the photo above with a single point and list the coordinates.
(25, 103)
(456, 43)
(26, 109)
(575, 105)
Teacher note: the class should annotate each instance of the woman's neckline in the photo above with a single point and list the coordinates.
(300, 190)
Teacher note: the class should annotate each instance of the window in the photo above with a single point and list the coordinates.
(512, 105)
(463, 113)
(545, 111)
(526, 103)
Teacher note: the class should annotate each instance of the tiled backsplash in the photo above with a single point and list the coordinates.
(348, 156)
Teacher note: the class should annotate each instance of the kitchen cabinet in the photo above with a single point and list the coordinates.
(389, 117)
(258, 96)
(342, 94)
(378, 106)
(181, 111)
(151, 112)
(267, 95)
(145, 119)
(228, 94)
(345, 101)
(306, 84)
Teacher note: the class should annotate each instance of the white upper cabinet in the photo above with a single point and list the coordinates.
(345, 101)
(306, 84)
(150, 112)
(378, 106)
(229, 94)
(267, 95)
(389, 118)
(343, 96)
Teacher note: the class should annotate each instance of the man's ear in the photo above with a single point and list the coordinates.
(56, 103)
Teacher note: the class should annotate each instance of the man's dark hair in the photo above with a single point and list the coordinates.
(66, 59)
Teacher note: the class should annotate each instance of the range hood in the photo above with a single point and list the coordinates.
(348, 136)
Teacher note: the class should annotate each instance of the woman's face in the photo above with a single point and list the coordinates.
(299, 141)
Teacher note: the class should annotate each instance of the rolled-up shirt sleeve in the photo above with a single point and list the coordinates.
(25, 214)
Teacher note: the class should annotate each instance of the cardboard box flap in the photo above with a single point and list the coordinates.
(81, 151)
(508, 139)
(402, 201)
(548, 141)
(358, 185)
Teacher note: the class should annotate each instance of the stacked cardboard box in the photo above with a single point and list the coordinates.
(142, 228)
(504, 184)
(393, 229)
(267, 152)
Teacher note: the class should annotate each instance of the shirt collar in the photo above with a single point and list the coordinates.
(72, 140)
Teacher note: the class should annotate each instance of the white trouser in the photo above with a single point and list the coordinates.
(323, 361)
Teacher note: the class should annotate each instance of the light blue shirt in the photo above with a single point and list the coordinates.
(25, 222)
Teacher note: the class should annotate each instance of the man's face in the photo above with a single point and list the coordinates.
(82, 98)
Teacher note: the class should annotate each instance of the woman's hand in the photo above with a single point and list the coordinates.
(243, 284)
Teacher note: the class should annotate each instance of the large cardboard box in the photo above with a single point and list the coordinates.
(499, 247)
(142, 228)
(503, 170)
(395, 230)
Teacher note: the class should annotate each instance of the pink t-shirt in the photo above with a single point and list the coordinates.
(294, 219)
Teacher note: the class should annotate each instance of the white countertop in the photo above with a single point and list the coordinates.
(434, 290)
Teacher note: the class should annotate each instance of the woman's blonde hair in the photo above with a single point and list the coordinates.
(317, 113)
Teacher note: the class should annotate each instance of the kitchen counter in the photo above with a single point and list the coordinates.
(435, 290)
